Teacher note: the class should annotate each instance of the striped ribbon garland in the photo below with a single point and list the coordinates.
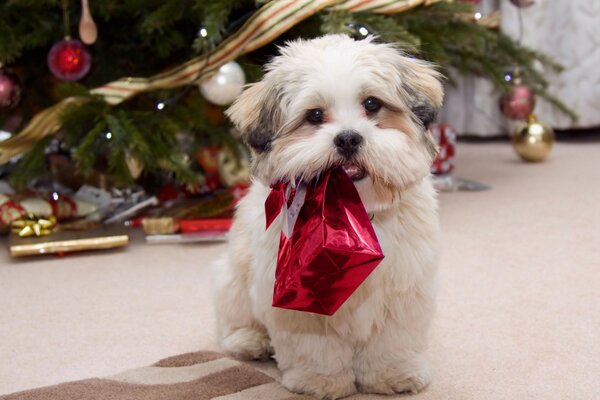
(270, 21)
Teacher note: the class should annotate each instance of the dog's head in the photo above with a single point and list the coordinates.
(336, 101)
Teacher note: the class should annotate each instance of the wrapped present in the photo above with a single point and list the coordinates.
(32, 225)
(327, 245)
(234, 168)
(127, 203)
(63, 241)
(220, 203)
(208, 158)
(10, 210)
(205, 225)
(443, 164)
(445, 136)
(212, 214)
(188, 238)
(62, 207)
(160, 225)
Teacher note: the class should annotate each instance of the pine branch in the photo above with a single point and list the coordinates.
(389, 30)
(214, 22)
(165, 16)
(336, 22)
(85, 153)
(31, 165)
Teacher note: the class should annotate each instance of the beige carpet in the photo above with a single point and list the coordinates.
(519, 303)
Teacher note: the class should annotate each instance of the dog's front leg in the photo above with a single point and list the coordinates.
(239, 333)
(314, 362)
(392, 361)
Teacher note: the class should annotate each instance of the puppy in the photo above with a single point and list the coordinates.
(363, 105)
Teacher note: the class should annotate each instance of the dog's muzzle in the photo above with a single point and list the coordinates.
(347, 143)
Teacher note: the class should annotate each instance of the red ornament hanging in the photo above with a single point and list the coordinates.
(518, 102)
(10, 89)
(69, 60)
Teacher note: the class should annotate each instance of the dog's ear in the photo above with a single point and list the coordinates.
(421, 84)
(256, 114)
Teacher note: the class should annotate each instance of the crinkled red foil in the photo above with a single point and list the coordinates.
(332, 248)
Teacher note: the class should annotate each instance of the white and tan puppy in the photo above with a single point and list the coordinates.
(327, 102)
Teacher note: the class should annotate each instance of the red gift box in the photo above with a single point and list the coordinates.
(208, 224)
(327, 245)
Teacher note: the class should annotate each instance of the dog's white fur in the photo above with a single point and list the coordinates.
(375, 341)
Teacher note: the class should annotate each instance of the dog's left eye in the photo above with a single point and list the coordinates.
(372, 105)
(315, 116)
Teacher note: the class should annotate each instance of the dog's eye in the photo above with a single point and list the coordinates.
(315, 116)
(372, 105)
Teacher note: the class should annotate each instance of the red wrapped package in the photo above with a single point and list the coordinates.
(207, 224)
(445, 136)
(327, 245)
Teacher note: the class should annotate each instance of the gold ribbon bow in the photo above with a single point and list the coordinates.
(32, 225)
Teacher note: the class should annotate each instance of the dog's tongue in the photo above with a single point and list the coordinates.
(354, 171)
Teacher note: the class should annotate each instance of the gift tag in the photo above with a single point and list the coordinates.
(290, 214)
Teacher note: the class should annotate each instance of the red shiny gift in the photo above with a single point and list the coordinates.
(327, 245)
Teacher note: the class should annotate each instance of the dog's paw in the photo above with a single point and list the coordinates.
(318, 385)
(247, 344)
(402, 377)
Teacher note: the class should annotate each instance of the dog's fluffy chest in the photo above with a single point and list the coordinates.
(408, 237)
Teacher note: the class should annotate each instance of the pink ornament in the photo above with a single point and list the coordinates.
(518, 103)
(10, 89)
(69, 60)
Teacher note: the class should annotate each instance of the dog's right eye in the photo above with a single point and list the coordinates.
(372, 105)
(315, 116)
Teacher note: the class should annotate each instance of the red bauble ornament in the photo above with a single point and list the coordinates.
(10, 89)
(518, 102)
(69, 60)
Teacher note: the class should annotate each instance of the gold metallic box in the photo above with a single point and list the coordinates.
(67, 242)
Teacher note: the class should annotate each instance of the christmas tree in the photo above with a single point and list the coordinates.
(127, 105)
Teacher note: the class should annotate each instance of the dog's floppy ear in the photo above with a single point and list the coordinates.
(256, 114)
(421, 84)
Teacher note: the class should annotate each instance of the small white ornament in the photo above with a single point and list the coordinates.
(225, 85)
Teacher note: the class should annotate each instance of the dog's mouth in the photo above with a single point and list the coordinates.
(355, 172)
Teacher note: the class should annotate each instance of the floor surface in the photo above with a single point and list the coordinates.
(519, 303)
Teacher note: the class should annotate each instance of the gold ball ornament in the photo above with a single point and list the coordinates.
(533, 140)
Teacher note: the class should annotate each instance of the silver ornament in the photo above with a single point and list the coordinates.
(223, 87)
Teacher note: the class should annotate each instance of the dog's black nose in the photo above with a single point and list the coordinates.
(347, 143)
